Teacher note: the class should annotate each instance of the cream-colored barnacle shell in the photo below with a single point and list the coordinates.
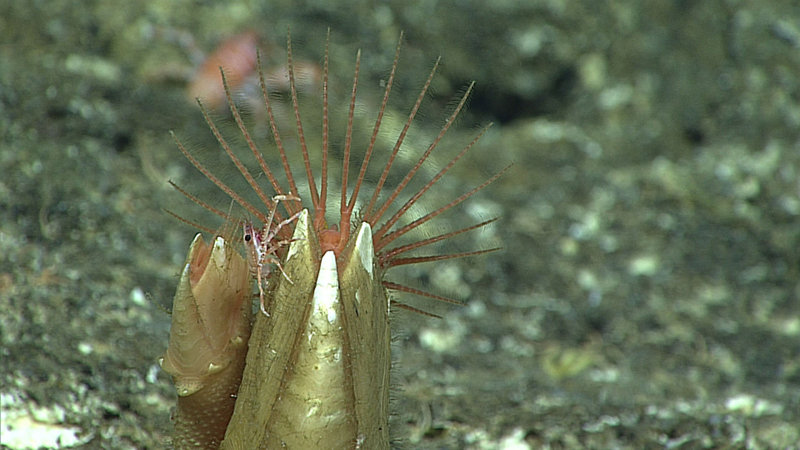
(209, 313)
(317, 371)
(207, 346)
(367, 328)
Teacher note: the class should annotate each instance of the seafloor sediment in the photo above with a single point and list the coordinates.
(647, 292)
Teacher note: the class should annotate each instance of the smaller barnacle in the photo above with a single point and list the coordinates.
(211, 321)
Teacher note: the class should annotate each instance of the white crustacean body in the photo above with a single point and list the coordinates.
(262, 245)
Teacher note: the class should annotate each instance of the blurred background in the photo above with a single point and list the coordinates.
(647, 293)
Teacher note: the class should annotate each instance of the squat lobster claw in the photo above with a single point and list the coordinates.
(262, 247)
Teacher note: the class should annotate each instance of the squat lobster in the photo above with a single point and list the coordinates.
(262, 247)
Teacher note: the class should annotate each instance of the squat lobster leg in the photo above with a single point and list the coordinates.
(262, 247)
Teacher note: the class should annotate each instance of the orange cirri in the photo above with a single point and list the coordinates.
(336, 237)
(317, 369)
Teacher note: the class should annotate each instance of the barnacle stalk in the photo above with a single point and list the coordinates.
(317, 368)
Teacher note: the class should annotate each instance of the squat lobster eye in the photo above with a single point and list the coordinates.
(248, 230)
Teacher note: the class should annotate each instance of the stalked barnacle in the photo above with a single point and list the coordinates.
(317, 367)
